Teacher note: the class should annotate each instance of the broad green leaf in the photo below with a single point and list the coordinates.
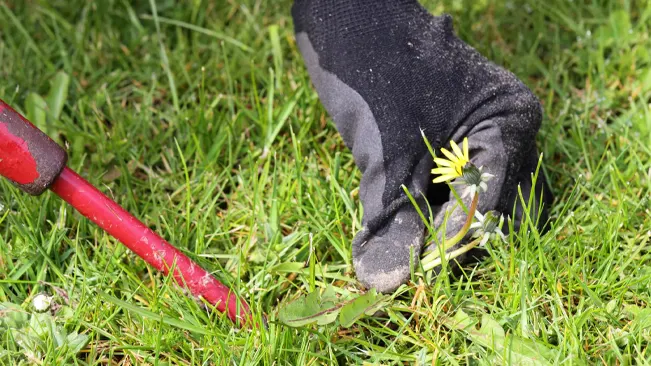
(620, 22)
(76, 342)
(522, 351)
(40, 324)
(329, 295)
(329, 300)
(12, 316)
(287, 267)
(367, 304)
(645, 80)
(642, 319)
(36, 110)
(27, 341)
(56, 98)
(312, 308)
(66, 313)
(617, 32)
(611, 306)
(491, 329)
(460, 321)
(57, 333)
(512, 349)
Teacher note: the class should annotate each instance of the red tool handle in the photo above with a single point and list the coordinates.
(28, 157)
(34, 162)
(145, 243)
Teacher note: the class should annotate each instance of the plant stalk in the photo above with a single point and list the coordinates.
(449, 243)
(453, 254)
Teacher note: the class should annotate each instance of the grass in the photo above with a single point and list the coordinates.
(201, 120)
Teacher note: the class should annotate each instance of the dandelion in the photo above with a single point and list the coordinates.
(456, 166)
(41, 302)
(452, 167)
(473, 180)
(488, 226)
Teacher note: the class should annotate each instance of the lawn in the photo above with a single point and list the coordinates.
(201, 120)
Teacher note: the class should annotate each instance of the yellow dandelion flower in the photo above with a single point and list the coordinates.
(452, 167)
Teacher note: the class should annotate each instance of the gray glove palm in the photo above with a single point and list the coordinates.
(385, 70)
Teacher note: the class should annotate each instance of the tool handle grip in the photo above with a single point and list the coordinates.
(28, 157)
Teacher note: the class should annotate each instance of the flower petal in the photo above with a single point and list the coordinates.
(443, 162)
(484, 239)
(486, 177)
(465, 149)
(450, 156)
(443, 170)
(443, 178)
(466, 192)
(456, 149)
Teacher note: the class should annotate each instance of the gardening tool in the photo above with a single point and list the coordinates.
(35, 163)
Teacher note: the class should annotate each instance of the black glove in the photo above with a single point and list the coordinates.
(385, 70)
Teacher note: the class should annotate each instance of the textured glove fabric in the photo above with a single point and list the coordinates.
(385, 70)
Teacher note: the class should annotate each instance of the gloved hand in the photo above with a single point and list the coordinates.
(387, 69)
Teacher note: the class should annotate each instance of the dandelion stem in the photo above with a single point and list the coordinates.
(471, 213)
(449, 243)
(453, 254)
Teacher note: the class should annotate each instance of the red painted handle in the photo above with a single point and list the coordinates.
(34, 162)
(28, 157)
(148, 245)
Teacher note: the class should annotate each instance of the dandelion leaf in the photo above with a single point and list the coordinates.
(367, 304)
(315, 307)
